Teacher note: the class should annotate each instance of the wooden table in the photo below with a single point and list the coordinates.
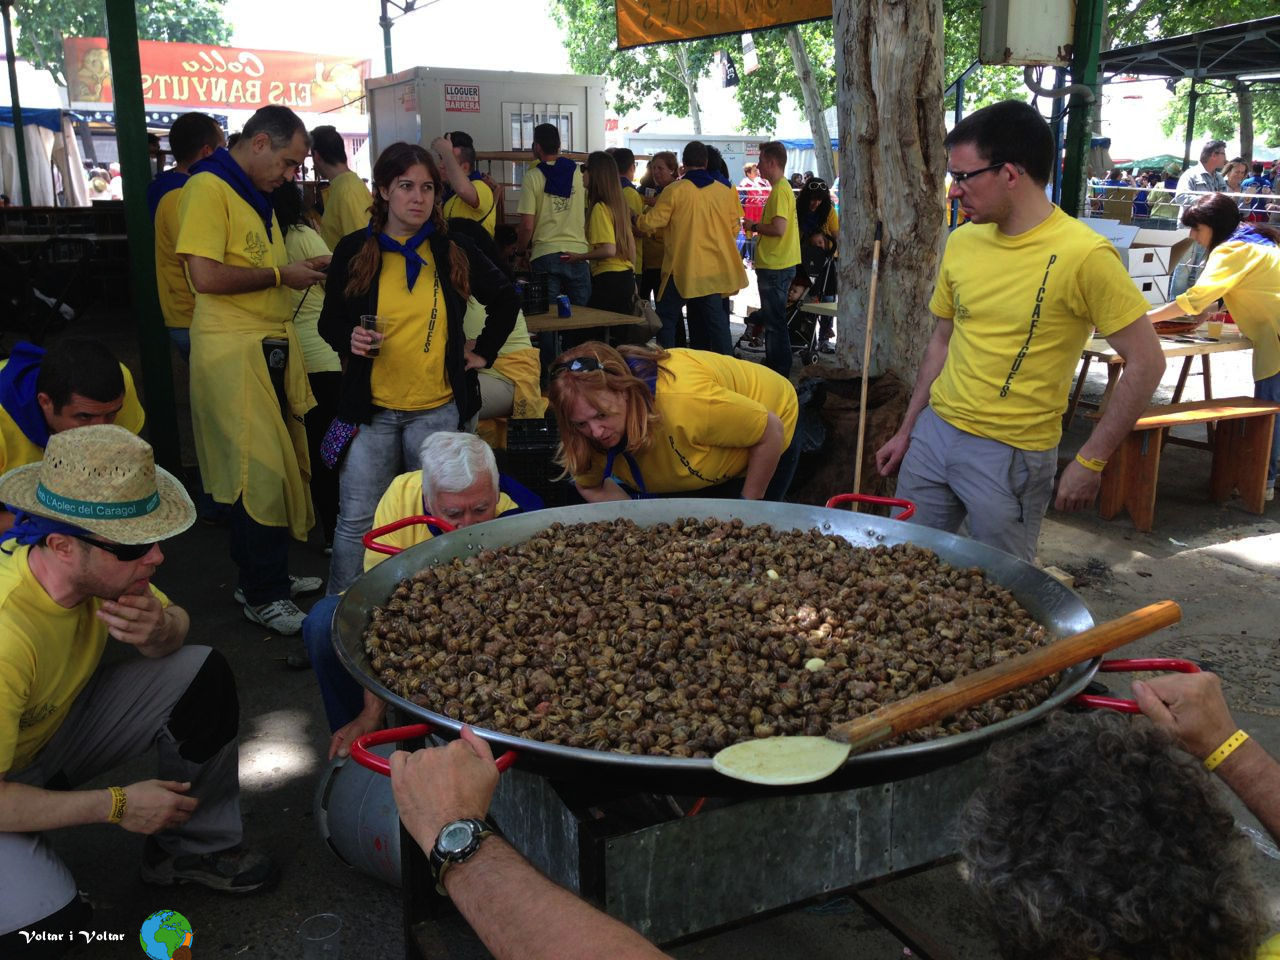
(583, 317)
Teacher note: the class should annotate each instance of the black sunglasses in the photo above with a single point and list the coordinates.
(961, 177)
(127, 552)
(576, 365)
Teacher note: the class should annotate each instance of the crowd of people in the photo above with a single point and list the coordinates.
(339, 364)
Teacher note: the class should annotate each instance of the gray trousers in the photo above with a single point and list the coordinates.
(122, 712)
(1002, 491)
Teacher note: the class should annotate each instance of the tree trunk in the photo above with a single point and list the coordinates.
(690, 86)
(812, 106)
(1244, 94)
(889, 68)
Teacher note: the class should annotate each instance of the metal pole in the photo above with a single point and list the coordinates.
(1084, 70)
(959, 115)
(386, 37)
(1191, 123)
(135, 168)
(1059, 81)
(19, 135)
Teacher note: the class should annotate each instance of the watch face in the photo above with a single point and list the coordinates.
(455, 837)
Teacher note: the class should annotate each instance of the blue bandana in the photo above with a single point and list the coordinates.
(559, 177)
(626, 183)
(1244, 232)
(704, 178)
(162, 184)
(413, 262)
(18, 392)
(448, 192)
(223, 166)
(29, 529)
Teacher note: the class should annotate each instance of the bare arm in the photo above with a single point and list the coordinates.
(462, 186)
(517, 912)
(1144, 365)
(776, 227)
(524, 232)
(601, 251)
(143, 623)
(150, 805)
(762, 459)
(370, 718)
(935, 356)
(210, 276)
(608, 490)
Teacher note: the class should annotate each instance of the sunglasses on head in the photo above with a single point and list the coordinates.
(121, 551)
(577, 365)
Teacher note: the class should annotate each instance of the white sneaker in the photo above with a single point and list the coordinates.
(278, 616)
(1270, 494)
(298, 587)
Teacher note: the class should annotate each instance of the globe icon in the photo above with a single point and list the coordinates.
(163, 933)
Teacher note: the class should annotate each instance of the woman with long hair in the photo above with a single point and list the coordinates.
(613, 249)
(1243, 270)
(819, 227)
(660, 172)
(640, 422)
(415, 373)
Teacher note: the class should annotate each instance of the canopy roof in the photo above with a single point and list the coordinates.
(1223, 53)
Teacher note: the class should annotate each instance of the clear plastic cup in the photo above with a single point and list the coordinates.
(321, 937)
(378, 325)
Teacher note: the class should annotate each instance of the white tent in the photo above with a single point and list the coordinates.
(54, 161)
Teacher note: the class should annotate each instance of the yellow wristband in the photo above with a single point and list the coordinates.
(1214, 759)
(1094, 465)
(276, 271)
(119, 803)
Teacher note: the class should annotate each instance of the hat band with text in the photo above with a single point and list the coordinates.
(122, 510)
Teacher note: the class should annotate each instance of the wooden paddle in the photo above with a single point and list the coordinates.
(866, 362)
(780, 761)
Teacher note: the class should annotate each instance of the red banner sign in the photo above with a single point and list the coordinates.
(197, 75)
(641, 22)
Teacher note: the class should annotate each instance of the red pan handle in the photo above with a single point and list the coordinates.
(370, 539)
(909, 508)
(361, 754)
(1120, 704)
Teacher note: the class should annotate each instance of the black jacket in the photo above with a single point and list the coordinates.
(341, 313)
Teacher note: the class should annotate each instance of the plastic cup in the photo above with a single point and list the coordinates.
(321, 937)
(1214, 328)
(378, 325)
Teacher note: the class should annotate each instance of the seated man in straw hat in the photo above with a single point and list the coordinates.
(89, 519)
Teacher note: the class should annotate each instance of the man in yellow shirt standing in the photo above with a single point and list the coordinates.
(700, 261)
(347, 200)
(553, 218)
(249, 389)
(466, 196)
(625, 158)
(192, 137)
(1020, 289)
(776, 256)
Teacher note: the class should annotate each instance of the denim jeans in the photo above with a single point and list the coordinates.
(708, 322)
(343, 698)
(386, 446)
(262, 554)
(573, 279)
(773, 286)
(1269, 390)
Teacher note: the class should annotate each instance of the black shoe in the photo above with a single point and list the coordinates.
(235, 870)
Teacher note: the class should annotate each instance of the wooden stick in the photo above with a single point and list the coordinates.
(866, 361)
(936, 703)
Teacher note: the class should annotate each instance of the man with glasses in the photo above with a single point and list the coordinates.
(77, 575)
(1204, 176)
(1019, 290)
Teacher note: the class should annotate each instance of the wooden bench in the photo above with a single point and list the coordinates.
(1241, 452)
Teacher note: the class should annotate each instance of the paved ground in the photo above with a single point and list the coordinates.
(1221, 563)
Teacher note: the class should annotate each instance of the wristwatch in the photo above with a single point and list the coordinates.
(457, 842)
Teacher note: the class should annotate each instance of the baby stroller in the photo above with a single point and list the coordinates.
(815, 273)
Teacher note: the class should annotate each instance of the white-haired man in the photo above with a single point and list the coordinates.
(459, 484)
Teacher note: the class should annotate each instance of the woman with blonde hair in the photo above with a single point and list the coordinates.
(414, 374)
(641, 423)
(613, 249)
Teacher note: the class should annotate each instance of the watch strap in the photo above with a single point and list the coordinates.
(440, 861)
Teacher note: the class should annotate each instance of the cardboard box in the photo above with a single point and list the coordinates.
(1146, 253)
(1155, 289)
(1146, 261)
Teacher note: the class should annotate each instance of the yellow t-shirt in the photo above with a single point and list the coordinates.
(601, 229)
(346, 207)
(712, 409)
(404, 499)
(16, 450)
(177, 299)
(1271, 949)
(1023, 308)
(217, 224)
(303, 243)
(778, 253)
(486, 213)
(700, 239)
(409, 373)
(1247, 277)
(558, 221)
(635, 203)
(47, 654)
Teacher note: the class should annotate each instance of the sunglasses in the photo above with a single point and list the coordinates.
(961, 176)
(576, 365)
(127, 552)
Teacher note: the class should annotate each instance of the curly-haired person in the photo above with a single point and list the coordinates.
(1096, 838)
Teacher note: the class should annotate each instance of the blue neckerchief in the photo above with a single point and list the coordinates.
(449, 192)
(18, 392)
(559, 177)
(525, 499)
(1244, 232)
(28, 529)
(646, 371)
(808, 223)
(162, 184)
(413, 262)
(223, 166)
(704, 178)
(626, 183)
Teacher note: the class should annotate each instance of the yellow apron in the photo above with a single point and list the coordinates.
(244, 446)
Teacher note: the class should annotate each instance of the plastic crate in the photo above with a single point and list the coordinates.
(530, 459)
(533, 294)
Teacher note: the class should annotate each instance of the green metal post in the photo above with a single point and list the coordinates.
(1084, 69)
(1192, 97)
(386, 37)
(135, 168)
(19, 135)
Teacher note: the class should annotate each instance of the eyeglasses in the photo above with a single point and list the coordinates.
(128, 552)
(576, 365)
(959, 177)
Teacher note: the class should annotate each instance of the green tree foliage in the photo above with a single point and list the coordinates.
(760, 92)
(1218, 114)
(42, 24)
(961, 27)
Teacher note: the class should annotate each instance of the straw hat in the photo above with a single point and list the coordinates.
(105, 480)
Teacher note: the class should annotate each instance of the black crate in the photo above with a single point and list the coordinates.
(533, 293)
(529, 459)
